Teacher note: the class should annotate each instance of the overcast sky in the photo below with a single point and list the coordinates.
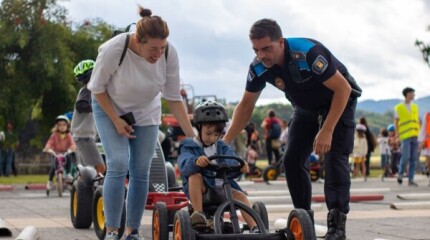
(375, 39)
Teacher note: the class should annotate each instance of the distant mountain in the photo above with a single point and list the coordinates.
(383, 106)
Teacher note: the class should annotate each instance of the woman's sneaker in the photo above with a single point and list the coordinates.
(134, 235)
(112, 236)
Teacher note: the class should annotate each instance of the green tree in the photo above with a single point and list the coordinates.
(425, 49)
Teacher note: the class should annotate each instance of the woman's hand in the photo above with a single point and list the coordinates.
(124, 129)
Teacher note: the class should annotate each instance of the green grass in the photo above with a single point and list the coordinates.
(24, 179)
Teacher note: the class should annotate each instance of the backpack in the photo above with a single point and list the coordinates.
(275, 130)
(127, 40)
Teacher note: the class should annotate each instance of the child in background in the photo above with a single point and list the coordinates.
(394, 144)
(360, 151)
(210, 118)
(60, 142)
(384, 149)
(83, 127)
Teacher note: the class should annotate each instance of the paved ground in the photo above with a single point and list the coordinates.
(367, 220)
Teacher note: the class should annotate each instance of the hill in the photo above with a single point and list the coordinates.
(387, 105)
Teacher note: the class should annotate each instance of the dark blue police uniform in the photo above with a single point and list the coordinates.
(307, 65)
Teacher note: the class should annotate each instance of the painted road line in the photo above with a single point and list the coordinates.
(414, 196)
(269, 199)
(410, 205)
(287, 193)
(6, 187)
(277, 208)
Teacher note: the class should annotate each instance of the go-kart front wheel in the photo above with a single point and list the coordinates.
(300, 224)
(81, 198)
(182, 226)
(160, 224)
(99, 220)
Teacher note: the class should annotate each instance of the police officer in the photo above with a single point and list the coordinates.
(324, 97)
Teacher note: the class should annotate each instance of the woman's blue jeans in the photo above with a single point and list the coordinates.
(122, 155)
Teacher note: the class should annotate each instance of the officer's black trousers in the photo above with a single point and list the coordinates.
(301, 134)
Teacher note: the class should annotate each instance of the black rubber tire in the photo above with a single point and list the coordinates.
(270, 173)
(160, 214)
(300, 224)
(81, 201)
(182, 226)
(100, 227)
(260, 209)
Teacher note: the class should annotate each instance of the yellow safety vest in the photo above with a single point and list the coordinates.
(408, 121)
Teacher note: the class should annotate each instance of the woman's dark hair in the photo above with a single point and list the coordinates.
(150, 26)
(265, 28)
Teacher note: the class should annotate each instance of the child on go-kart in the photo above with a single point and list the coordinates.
(83, 127)
(60, 142)
(210, 119)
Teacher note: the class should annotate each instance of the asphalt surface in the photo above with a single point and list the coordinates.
(20, 208)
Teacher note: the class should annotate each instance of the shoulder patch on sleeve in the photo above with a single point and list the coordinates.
(320, 65)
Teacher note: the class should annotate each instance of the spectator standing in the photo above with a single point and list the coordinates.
(10, 144)
(284, 134)
(371, 143)
(394, 144)
(406, 121)
(2, 163)
(384, 148)
(272, 131)
(360, 151)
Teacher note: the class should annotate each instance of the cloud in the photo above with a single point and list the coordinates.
(374, 39)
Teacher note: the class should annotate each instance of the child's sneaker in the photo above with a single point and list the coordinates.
(198, 220)
(50, 185)
(112, 236)
(134, 235)
(254, 229)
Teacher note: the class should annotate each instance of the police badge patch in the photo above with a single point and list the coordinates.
(320, 65)
(279, 83)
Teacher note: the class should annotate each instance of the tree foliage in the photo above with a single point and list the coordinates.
(38, 50)
(425, 50)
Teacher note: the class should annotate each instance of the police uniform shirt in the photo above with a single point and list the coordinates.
(307, 65)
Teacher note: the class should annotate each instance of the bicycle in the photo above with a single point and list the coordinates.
(61, 180)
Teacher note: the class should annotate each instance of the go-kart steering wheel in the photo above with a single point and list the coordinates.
(223, 167)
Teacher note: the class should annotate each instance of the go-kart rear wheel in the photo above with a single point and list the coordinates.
(81, 198)
(182, 226)
(99, 220)
(300, 224)
(261, 210)
(160, 224)
(270, 173)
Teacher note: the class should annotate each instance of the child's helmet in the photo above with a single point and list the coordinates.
(210, 111)
(391, 128)
(62, 118)
(83, 71)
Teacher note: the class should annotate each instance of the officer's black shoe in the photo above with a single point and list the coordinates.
(336, 221)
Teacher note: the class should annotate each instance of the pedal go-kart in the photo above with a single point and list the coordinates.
(60, 174)
(272, 172)
(86, 205)
(299, 223)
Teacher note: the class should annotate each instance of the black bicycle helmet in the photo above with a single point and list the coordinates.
(210, 111)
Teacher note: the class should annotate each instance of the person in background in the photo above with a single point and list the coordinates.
(424, 140)
(284, 134)
(127, 113)
(384, 149)
(407, 126)
(371, 143)
(60, 142)
(394, 143)
(272, 131)
(10, 143)
(360, 151)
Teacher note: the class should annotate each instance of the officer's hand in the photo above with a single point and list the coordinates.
(322, 142)
(245, 168)
(202, 161)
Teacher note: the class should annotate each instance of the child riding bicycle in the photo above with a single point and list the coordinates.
(210, 118)
(83, 127)
(60, 142)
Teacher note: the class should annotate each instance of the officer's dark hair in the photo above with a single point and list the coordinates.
(407, 90)
(265, 28)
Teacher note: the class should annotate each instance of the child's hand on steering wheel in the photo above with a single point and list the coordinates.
(245, 168)
(202, 161)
